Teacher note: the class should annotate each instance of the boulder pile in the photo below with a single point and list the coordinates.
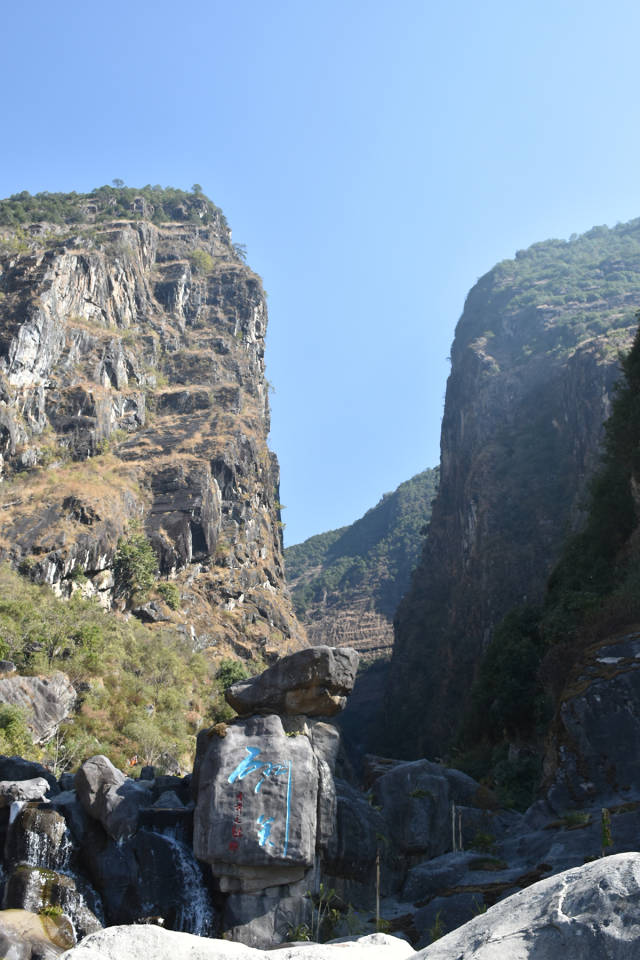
(264, 790)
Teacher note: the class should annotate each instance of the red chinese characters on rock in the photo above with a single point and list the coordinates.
(236, 826)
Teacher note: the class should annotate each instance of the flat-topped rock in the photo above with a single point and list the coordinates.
(315, 682)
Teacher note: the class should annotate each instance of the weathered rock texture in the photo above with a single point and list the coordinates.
(266, 803)
(346, 584)
(315, 682)
(533, 364)
(46, 701)
(592, 752)
(132, 387)
(587, 913)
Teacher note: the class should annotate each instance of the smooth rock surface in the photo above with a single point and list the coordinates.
(110, 797)
(314, 682)
(587, 913)
(256, 803)
(153, 943)
(25, 935)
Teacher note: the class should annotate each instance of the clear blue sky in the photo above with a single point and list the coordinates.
(376, 158)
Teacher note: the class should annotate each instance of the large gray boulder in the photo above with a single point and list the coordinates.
(314, 682)
(29, 936)
(38, 835)
(416, 801)
(587, 913)
(153, 943)
(17, 768)
(256, 808)
(46, 701)
(25, 790)
(33, 888)
(110, 797)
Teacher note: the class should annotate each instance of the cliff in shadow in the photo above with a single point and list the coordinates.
(535, 356)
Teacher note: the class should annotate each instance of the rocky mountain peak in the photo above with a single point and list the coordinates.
(133, 398)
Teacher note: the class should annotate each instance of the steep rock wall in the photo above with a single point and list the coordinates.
(132, 388)
(534, 360)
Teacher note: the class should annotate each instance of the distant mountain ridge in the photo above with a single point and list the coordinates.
(346, 584)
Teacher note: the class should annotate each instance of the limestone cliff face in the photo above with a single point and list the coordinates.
(533, 364)
(132, 388)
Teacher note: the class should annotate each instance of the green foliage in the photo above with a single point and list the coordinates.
(230, 671)
(78, 575)
(201, 261)
(141, 686)
(576, 818)
(379, 551)
(438, 929)
(52, 910)
(588, 569)
(170, 594)
(482, 841)
(324, 913)
(15, 738)
(575, 280)
(515, 778)
(134, 565)
(108, 203)
(505, 699)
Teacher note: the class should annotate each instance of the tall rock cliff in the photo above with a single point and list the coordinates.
(133, 399)
(534, 360)
(346, 584)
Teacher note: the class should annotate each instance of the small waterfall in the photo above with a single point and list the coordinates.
(196, 914)
(39, 837)
(14, 809)
(42, 850)
(39, 848)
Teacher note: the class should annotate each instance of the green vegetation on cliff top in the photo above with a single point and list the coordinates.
(559, 293)
(378, 552)
(161, 204)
